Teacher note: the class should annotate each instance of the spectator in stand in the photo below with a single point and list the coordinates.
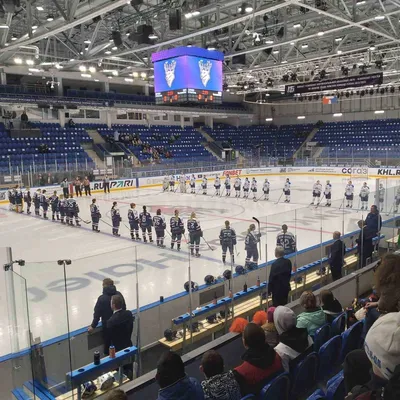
(336, 258)
(86, 185)
(219, 385)
(71, 123)
(24, 120)
(174, 383)
(365, 246)
(260, 362)
(260, 318)
(120, 328)
(271, 334)
(279, 278)
(116, 136)
(103, 311)
(382, 354)
(292, 340)
(374, 220)
(78, 186)
(106, 184)
(313, 317)
(238, 325)
(117, 394)
(331, 306)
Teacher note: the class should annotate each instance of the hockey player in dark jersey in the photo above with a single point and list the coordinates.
(133, 218)
(146, 223)
(159, 227)
(115, 218)
(95, 215)
(11, 199)
(28, 200)
(62, 206)
(44, 203)
(18, 199)
(72, 211)
(251, 244)
(177, 229)
(227, 239)
(195, 234)
(286, 240)
(36, 201)
(54, 203)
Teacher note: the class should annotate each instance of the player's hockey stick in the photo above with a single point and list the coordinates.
(177, 187)
(320, 201)
(214, 193)
(388, 213)
(198, 190)
(237, 253)
(342, 203)
(279, 198)
(208, 244)
(101, 219)
(85, 222)
(259, 231)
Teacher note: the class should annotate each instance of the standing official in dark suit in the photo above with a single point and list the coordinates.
(279, 278)
(364, 244)
(336, 258)
(120, 327)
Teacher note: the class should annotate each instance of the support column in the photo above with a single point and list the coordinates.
(146, 90)
(60, 89)
(106, 86)
(182, 122)
(3, 78)
(61, 117)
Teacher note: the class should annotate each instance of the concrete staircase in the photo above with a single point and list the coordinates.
(88, 147)
(97, 139)
(209, 144)
(309, 138)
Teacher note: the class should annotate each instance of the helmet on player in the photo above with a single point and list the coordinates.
(193, 215)
(93, 201)
(159, 211)
(365, 184)
(350, 182)
(114, 204)
(133, 205)
(328, 182)
(287, 179)
(176, 213)
(55, 192)
(317, 181)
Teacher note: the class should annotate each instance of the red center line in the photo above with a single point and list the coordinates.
(244, 220)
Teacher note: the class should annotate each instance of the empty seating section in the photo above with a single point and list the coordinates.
(187, 146)
(275, 141)
(94, 94)
(360, 139)
(64, 150)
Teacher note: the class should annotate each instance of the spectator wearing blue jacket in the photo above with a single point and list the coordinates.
(374, 220)
(174, 383)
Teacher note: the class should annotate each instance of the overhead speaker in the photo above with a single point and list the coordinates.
(175, 20)
(268, 51)
(116, 36)
(142, 35)
(136, 2)
(280, 32)
(97, 19)
(239, 59)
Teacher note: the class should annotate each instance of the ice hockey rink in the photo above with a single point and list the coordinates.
(161, 272)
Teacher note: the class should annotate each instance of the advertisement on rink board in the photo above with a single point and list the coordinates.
(117, 184)
(363, 171)
(386, 171)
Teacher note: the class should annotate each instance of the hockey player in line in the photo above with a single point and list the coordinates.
(349, 194)
(18, 199)
(246, 187)
(251, 244)
(28, 200)
(254, 188)
(159, 227)
(54, 203)
(133, 218)
(116, 219)
(364, 192)
(316, 192)
(95, 215)
(165, 184)
(237, 186)
(227, 239)
(266, 186)
(36, 201)
(72, 211)
(195, 234)
(397, 200)
(286, 240)
(171, 183)
(204, 185)
(63, 208)
(146, 223)
(328, 194)
(286, 190)
(11, 199)
(193, 185)
(182, 183)
(228, 185)
(381, 196)
(177, 230)
(44, 203)
(217, 185)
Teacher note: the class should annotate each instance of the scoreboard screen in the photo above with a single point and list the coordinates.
(188, 74)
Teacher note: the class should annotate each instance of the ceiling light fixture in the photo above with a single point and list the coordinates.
(14, 37)
(34, 27)
(301, 117)
(143, 74)
(337, 114)
(321, 33)
(296, 26)
(92, 69)
(87, 41)
(50, 18)
(128, 80)
(107, 52)
(269, 119)
(115, 73)
(30, 62)
(304, 46)
(379, 17)
(18, 60)
(153, 36)
(135, 74)
(86, 75)
(114, 48)
(379, 112)
(39, 8)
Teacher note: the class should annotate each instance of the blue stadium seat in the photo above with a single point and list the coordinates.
(304, 376)
(278, 388)
(335, 387)
(339, 324)
(329, 354)
(317, 395)
(321, 336)
(249, 396)
(351, 339)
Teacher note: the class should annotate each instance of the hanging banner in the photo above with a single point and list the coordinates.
(336, 84)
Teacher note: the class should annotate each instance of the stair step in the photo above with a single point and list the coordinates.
(20, 394)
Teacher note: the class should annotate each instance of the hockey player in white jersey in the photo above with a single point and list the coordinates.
(228, 185)
(286, 190)
(192, 184)
(217, 185)
(204, 185)
(328, 194)
(165, 183)
(246, 187)
(237, 185)
(381, 196)
(397, 200)
(364, 192)
(254, 188)
(171, 183)
(182, 183)
(316, 192)
(349, 194)
(266, 186)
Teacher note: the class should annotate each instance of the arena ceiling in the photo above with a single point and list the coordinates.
(266, 43)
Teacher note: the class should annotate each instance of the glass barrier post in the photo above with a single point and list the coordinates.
(295, 257)
(138, 343)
